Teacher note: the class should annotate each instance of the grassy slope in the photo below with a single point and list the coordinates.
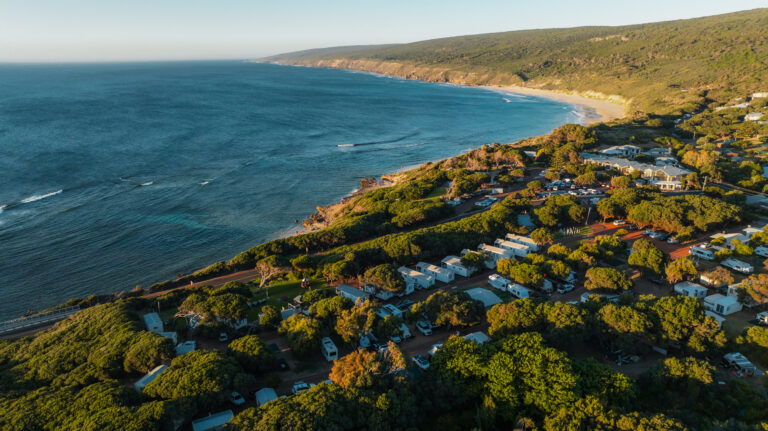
(660, 67)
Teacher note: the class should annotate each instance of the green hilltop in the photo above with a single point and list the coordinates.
(662, 67)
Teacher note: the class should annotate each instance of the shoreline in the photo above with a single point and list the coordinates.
(606, 110)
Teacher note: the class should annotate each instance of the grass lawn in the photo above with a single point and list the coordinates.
(284, 289)
(437, 192)
(733, 327)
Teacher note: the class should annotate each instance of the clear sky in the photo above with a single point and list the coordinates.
(117, 30)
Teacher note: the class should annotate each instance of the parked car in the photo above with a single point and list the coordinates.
(223, 337)
(435, 348)
(236, 399)
(672, 240)
(395, 339)
(299, 387)
(565, 287)
(424, 327)
(619, 222)
(421, 362)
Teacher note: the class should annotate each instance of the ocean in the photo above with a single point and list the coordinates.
(117, 175)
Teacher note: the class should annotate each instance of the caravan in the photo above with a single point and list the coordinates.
(330, 352)
(519, 291)
(738, 266)
(702, 253)
(499, 282)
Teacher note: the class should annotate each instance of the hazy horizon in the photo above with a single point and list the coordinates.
(46, 31)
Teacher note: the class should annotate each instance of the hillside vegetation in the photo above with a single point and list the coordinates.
(660, 67)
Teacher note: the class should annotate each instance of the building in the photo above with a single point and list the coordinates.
(519, 250)
(488, 298)
(718, 318)
(351, 293)
(453, 263)
(214, 422)
(154, 323)
(729, 237)
(149, 377)
(478, 337)
(761, 95)
(722, 305)
(440, 274)
(524, 240)
(668, 185)
(415, 278)
(749, 231)
(664, 161)
(753, 116)
(650, 172)
(621, 151)
(499, 282)
(265, 395)
(658, 152)
(686, 288)
(495, 254)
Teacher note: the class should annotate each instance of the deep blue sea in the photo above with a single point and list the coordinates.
(114, 175)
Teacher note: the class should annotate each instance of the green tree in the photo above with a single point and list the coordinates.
(385, 277)
(681, 269)
(303, 333)
(252, 354)
(270, 316)
(542, 236)
(607, 279)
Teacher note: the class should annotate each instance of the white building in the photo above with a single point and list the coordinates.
(650, 172)
(622, 151)
(453, 263)
(149, 377)
(524, 240)
(384, 295)
(154, 323)
(686, 288)
(351, 293)
(488, 298)
(415, 278)
(441, 274)
(761, 95)
(519, 250)
(668, 185)
(495, 254)
(729, 237)
(214, 422)
(753, 116)
(722, 305)
(658, 152)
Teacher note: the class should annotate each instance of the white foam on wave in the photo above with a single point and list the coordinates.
(506, 100)
(34, 198)
(205, 183)
(345, 145)
(148, 183)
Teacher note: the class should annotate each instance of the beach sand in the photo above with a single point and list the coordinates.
(604, 109)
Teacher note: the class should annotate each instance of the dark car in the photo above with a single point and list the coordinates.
(282, 364)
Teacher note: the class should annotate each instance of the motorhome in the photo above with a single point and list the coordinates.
(384, 295)
(738, 361)
(738, 266)
(761, 251)
(702, 253)
(519, 291)
(686, 288)
(329, 350)
(499, 282)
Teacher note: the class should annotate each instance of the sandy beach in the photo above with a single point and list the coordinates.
(606, 110)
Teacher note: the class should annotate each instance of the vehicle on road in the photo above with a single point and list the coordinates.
(672, 240)
(619, 222)
(566, 287)
(223, 337)
(236, 399)
(299, 387)
(424, 327)
(421, 362)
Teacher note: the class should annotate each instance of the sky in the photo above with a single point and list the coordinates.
(120, 30)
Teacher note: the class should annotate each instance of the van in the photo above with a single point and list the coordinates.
(738, 266)
(329, 350)
(702, 253)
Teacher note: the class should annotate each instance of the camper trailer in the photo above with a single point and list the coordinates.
(329, 350)
(499, 282)
(519, 291)
(702, 253)
(738, 266)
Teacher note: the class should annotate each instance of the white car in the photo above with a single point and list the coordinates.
(223, 337)
(435, 348)
(421, 362)
(619, 222)
(565, 288)
(424, 327)
(236, 399)
(299, 387)
(672, 240)
(395, 339)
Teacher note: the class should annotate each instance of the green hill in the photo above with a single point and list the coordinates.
(658, 67)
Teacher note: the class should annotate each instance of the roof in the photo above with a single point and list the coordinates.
(265, 395)
(408, 272)
(493, 249)
(731, 236)
(434, 268)
(512, 245)
(690, 285)
(185, 347)
(351, 291)
(212, 421)
(149, 377)
(488, 298)
(721, 299)
(153, 322)
(452, 260)
(478, 337)
(520, 239)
